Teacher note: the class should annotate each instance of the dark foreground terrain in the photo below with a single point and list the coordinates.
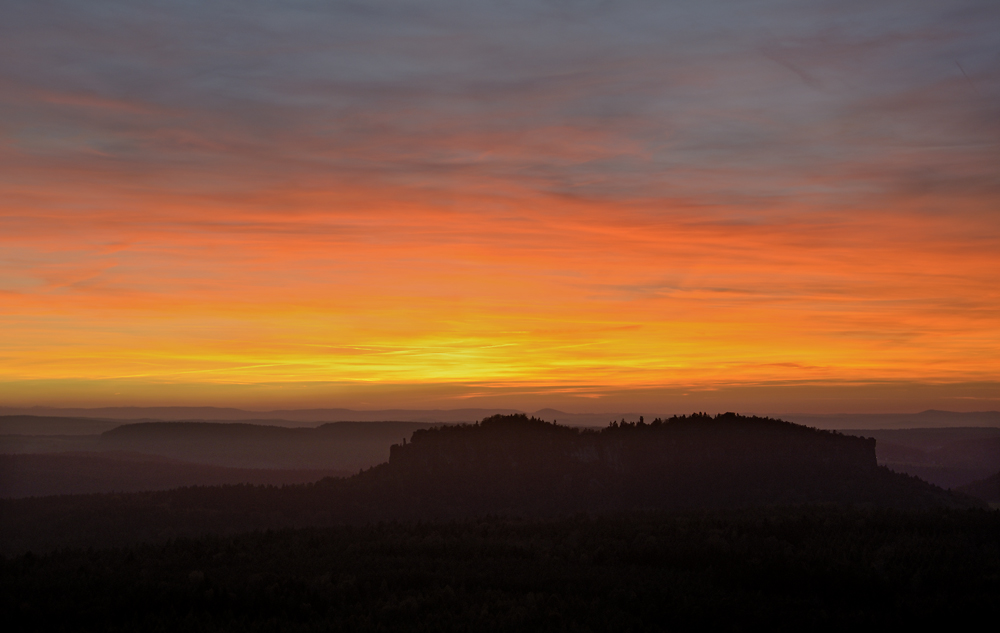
(725, 522)
(780, 569)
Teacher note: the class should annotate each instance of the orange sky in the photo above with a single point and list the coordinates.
(788, 214)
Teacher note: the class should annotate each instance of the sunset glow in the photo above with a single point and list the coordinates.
(457, 205)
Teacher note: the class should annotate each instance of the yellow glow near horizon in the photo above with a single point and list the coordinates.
(664, 304)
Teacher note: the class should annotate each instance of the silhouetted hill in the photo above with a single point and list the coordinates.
(513, 466)
(34, 444)
(521, 464)
(338, 445)
(987, 489)
(85, 473)
(946, 457)
(298, 417)
(768, 569)
(54, 425)
(205, 453)
(926, 439)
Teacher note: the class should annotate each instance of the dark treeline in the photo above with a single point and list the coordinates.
(782, 569)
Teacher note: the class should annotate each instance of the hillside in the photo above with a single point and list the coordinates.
(987, 489)
(173, 454)
(347, 446)
(929, 420)
(37, 425)
(522, 464)
(946, 457)
(85, 473)
(512, 466)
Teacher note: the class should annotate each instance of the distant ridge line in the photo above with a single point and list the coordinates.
(217, 414)
(833, 421)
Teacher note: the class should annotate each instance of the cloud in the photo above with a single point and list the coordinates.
(585, 100)
(649, 191)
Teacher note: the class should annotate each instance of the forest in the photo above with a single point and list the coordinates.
(806, 568)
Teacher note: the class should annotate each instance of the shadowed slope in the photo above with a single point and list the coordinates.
(511, 465)
(520, 464)
(338, 445)
(987, 489)
(115, 471)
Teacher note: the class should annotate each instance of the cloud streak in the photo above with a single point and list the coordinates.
(609, 194)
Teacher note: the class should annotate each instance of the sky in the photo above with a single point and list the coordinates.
(752, 206)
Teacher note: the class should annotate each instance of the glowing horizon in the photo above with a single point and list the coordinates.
(457, 205)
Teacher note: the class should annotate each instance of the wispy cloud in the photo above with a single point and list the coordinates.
(628, 193)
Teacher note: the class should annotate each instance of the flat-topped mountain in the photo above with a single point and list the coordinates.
(524, 464)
